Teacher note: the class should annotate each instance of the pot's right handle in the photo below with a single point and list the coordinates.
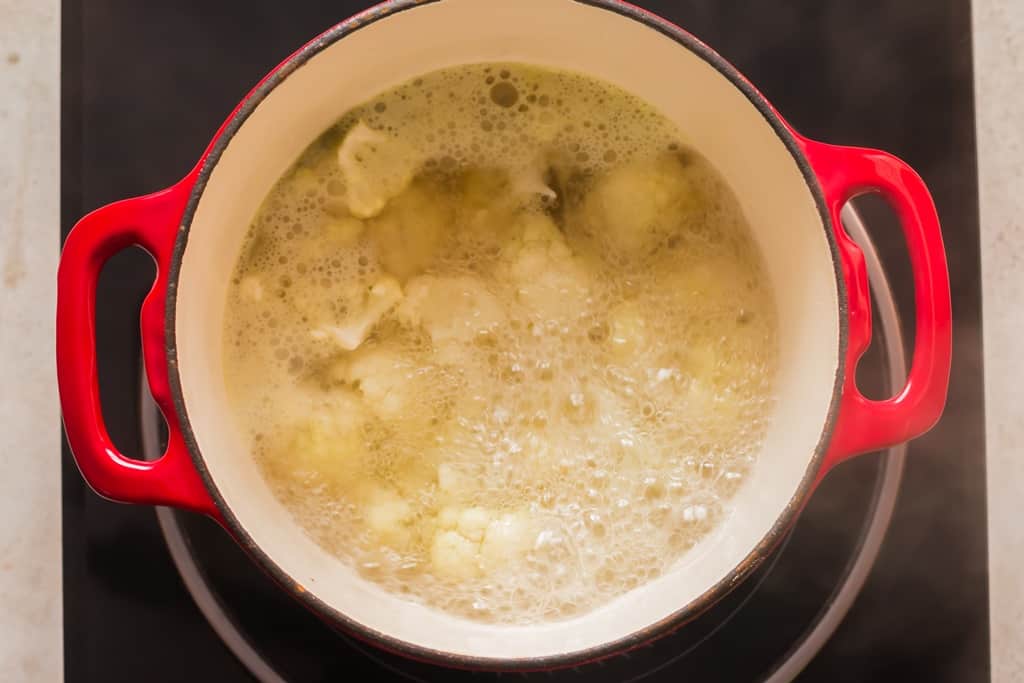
(863, 424)
(150, 222)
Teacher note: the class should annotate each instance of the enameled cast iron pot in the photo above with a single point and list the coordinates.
(790, 188)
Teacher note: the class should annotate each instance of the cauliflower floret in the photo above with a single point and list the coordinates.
(473, 522)
(450, 480)
(491, 200)
(639, 205)
(454, 556)
(483, 188)
(695, 383)
(395, 388)
(327, 447)
(507, 538)
(344, 231)
(384, 377)
(721, 368)
(414, 472)
(537, 226)
(448, 518)
(724, 288)
(714, 279)
(408, 233)
(486, 208)
(376, 167)
(529, 181)
(549, 281)
(452, 308)
(388, 515)
(474, 539)
(363, 315)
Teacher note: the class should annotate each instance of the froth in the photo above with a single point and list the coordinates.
(560, 405)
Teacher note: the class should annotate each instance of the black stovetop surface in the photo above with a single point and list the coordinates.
(145, 85)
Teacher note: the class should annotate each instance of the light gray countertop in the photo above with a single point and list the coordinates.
(30, 560)
(999, 96)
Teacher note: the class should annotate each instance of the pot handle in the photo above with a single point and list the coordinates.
(863, 424)
(151, 223)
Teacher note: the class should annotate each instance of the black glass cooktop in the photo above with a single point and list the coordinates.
(144, 87)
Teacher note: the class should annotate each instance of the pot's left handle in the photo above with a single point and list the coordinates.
(150, 222)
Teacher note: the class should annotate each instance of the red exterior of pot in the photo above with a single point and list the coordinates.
(154, 221)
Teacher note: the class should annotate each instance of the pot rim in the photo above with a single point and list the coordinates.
(680, 616)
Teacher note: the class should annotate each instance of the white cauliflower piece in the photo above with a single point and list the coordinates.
(393, 386)
(529, 181)
(384, 377)
(637, 206)
(548, 279)
(344, 231)
(491, 201)
(388, 515)
(454, 556)
(327, 447)
(448, 517)
(408, 233)
(481, 188)
(450, 480)
(716, 279)
(350, 333)
(473, 522)
(507, 538)
(486, 208)
(450, 308)
(376, 167)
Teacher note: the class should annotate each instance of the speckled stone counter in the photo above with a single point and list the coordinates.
(999, 83)
(30, 560)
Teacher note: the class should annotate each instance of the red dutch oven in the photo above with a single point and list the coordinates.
(790, 188)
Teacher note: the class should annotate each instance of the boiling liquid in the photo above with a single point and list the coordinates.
(503, 342)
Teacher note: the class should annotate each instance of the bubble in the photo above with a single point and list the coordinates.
(504, 94)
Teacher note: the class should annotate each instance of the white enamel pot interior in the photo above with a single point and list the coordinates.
(719, 114)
